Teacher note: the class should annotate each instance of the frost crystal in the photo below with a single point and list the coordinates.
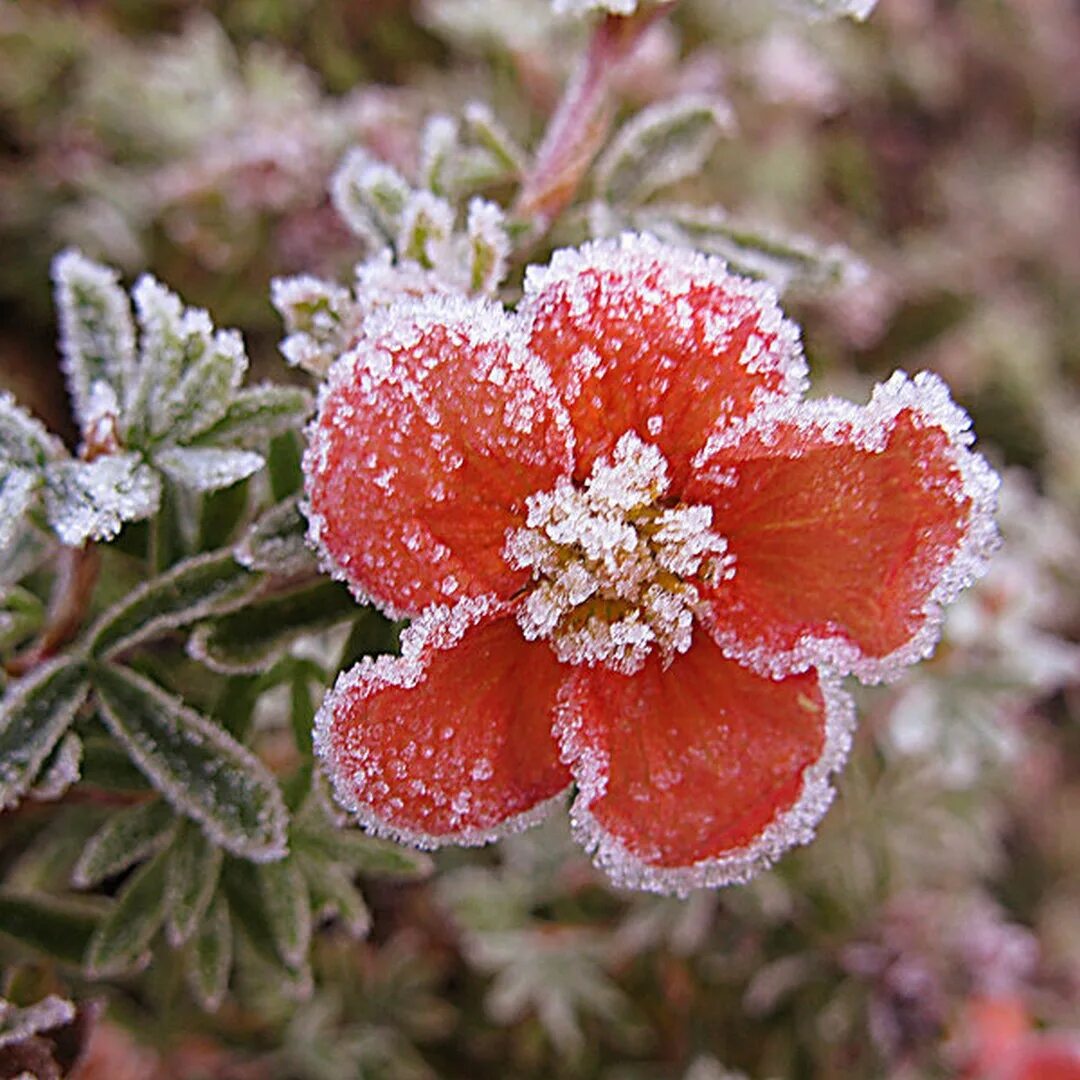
(583, 7)
(613, 562)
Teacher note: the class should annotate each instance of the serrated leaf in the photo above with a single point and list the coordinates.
(194, 871)
(97, 338)
(123, 937)
(258, 414)
(766, 254)
(200, 586)
(249, 640)
(24, 441)
(207, 468)
(662, 145)
(369, 195)
(18, 1024)
(59, 927)
(334, 895)
(34, 715)
(277, 542)
(203, 772)
(91, 500)
(209, 956)
(127, 837)
(60, 771)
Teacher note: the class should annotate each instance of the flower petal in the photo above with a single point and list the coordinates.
(700, 773)
(849, 527)
(644, 337)
(430, 435)
(451, 741)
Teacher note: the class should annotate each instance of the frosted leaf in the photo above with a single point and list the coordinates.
(489, 246)
(333, 895)
(209, 956)
(34, 715)
(97, 339)
(18, 1024)
(258, 414)
(832, 9)
(586, 7)
(284, 898)
(21, 614)
(191, 881)
(127, 837)
(660, 146)
(320, 317)
(207, 468)
(381, 282)
(277, 541)
(370, 196)
(438, 146)
(122, 940)
(426, 225)
(60, 771)
(91, 500)
(784, 260)
(197, 767)
(487, 132)
(24, 441)
(194, 589)
(18, 490)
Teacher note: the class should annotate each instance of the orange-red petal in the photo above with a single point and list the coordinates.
(429, 437)
(451, 741)
(644, 337)
(700, 773)
(849, 526)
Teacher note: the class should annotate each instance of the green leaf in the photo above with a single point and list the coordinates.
(370, 196)
(106, 766)
(286, 466)
(221, 515)
(194, 872)
(91, 500)
(97, 338)
(258, 414)
(209, 956)
(60, 771)
(284, 897)
(487, 132)
(200, 586)
(33, 716)
(127, 837)
(18, 493)
(438, 149)
(426, 225)
(489, 246)
(333, 894)
(123, 937)
(277, 541)
(249, 640)
(207, 468)
(662, 145)
(24, 441)
(203, 772)
(58, 927)
(21, 614)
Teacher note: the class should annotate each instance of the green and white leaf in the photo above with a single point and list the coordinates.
(24, 440)
(207, 468)
(832, 9)
(258, 414)
(34, 715)
(60, 771)
(427, 223)
(122, 940)
(277, 542)
(488, 133)
(21, 614)
(284, 897)
(18, 1024)
(127, 837)
(59, 927)
(334, 895)
(660, 146)
(97, 338)
(439, 144)
(91, 500)
(195, 765)
(192, 590)
(251, 639)
(319, 317)
(18, 493)
(488, 246)
(194, 871)
(370, 196)
(209, 956)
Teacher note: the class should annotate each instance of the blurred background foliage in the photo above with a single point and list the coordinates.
(940, 142)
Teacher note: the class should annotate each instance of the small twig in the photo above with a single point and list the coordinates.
(581, 121)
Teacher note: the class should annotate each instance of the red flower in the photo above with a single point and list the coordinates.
(661, 560)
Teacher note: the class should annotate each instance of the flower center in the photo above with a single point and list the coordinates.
(614, 562)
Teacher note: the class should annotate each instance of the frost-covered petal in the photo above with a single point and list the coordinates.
(700, 773)
(644, 337)
(450, 742)
(430, 435)
(850, 527)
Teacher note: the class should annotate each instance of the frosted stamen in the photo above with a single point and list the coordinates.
(614, 562)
